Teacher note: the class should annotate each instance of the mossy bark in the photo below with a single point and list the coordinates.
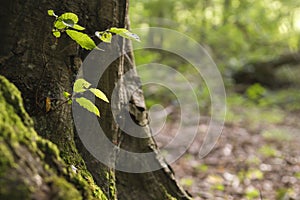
(40, 73)
(30, 166)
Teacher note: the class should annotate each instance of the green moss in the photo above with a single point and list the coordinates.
(63, 190)
(49, 148)
(9, 125)
(13, 97)
(6, 158)
(85, 182)
(111, 179)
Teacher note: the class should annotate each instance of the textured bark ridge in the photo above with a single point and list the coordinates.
(30, 166)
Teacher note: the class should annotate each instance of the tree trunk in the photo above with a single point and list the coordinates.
(41, 73)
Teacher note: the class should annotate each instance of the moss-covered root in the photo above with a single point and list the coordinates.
(30, 166)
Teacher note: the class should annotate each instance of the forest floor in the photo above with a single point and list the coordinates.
(253, 158)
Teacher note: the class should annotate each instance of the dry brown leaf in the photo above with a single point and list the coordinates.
(48, 104)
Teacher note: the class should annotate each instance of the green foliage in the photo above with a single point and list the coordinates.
(268, 151)
(65, 23)
(277, 134)
(68, 20)
(87, 104)
(253, 114)
(56, 33)
(235, 31)
(66, 94)
(125, 33)
(255, 92)
(82, 39)
(81, 86)
(51, 13)
(252, 193)
(98, 93)
(104, 36)
(283, 193)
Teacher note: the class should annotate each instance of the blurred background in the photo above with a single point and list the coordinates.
(255, 44)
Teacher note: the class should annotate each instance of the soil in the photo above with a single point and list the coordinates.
(244, 164)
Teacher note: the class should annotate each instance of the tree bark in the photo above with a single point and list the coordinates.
(40, 73)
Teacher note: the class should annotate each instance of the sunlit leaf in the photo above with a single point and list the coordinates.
(98, 93)
(66, 95)
(59, 24)
(87, 104)
(78, 27)
(70, 101)
(81, 85)
(82, 39)
(51, 13)
(69, 16)
(104, 36)
(125, 33)
(56, 33)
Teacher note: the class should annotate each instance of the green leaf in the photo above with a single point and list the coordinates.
(104, 36)
(99, 33)
(69, 16)
(66, 95)
(98, 93)
(81, 85)
(70, 101)
(82, 39)
(87, 104)
(78, 27)
(56, 33)
(59, 24)
(68, 22)
(125, 33)
(51, 13)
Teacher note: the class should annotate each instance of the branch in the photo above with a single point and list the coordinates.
(263, 71)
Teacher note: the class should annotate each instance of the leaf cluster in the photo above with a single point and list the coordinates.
(68, 23)
(81, 86)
